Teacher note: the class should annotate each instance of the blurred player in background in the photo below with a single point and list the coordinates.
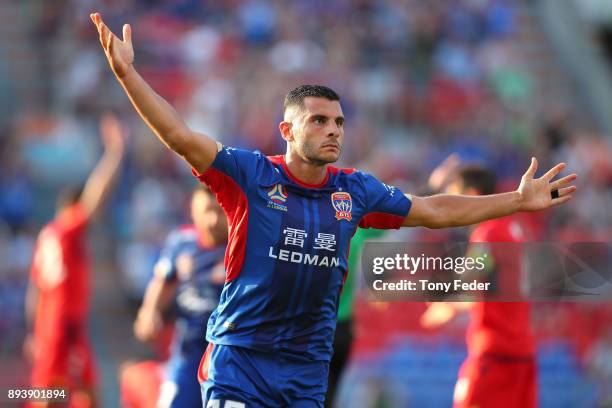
(500, 370)
(58, 294)
(291, 219)
(188, 275)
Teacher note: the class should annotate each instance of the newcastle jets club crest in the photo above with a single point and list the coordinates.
(343, 204)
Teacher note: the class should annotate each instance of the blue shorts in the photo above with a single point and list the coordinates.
(180, 387)
(236, 377)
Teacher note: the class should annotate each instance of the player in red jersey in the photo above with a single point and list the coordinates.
(500, 370)
(58, 293)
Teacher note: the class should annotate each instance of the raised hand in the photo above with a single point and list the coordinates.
(536, 193)
(120, 53)
(113, 133)
(196, 149)
(442, 175)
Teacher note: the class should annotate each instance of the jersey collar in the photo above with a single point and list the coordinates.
(298, 181)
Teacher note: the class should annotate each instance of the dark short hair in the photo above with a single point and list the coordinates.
(296, 96)
(479, 178)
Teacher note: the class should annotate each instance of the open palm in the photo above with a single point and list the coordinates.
(536, 192)
(120, 53)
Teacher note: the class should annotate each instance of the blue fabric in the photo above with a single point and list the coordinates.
(260, 379)
(285, 297)
(181, 370)
(185, 261)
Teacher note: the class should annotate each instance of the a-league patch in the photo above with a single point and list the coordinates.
(278, 194)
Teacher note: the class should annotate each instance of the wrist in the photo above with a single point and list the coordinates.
(518, 201)
(127, 74)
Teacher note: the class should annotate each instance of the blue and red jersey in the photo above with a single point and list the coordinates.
(187, 262)
(286, 259)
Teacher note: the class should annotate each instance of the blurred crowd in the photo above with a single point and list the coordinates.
(418, 80)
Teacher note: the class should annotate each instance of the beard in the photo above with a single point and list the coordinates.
(312, 153)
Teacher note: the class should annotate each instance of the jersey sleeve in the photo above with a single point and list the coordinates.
(386, 206)
(232, 167)
(165, 267)
(233, 175)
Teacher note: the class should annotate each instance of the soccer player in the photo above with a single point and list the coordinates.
(291, 218)
(190, 273)
(58, 293)
(500, 370)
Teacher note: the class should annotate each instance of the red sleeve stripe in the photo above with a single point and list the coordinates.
(381, 220)
(234, 202)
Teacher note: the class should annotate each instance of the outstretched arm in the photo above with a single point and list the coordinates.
(102, 178)
(443, 210)
(197, 149)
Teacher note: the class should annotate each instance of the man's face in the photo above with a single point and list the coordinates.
(317, 130)
(208, 217)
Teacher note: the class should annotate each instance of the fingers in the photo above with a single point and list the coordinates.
(562, 182)
(552, 173)
(106, 35)
(109, 42)
(561, 200)
(566, 191)
(127, 33)
(96, 19)
(103, 31)
(533, 167)
(92, 16)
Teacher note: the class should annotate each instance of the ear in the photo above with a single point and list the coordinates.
(285, 131)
